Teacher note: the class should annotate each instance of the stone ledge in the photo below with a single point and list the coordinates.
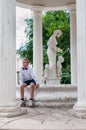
(54, 87)
(54, 104)
(48, 96)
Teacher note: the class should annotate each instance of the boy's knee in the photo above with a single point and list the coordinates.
(32, 85)
(23, 86)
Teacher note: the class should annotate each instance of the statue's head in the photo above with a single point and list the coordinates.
(58, 33)
(61, 59)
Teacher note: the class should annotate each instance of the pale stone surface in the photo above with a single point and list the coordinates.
(11, 111)
(80, 106)
(37, 44)
(52, 95)
(73, 45)
(47, 5)
(59, 66)
(44, 119)
(7, 59)
(56, 78)
(51, 52)
(52, 72)
(53, 81)
(7, 52)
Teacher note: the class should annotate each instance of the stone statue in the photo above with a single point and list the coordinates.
(52, 50)
(52, 72)
(59, 66)
(47, 71)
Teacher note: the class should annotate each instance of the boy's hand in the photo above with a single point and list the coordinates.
(37, 85)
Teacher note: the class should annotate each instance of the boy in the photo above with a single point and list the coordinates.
(28, 78)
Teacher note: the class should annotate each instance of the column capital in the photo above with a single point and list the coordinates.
(72, 7)
(37, 9)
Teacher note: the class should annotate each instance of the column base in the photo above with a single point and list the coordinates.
(79, 110)
(12, 111)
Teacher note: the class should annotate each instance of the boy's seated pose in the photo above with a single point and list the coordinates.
(28, 78)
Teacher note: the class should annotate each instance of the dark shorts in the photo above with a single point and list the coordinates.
(30, 81)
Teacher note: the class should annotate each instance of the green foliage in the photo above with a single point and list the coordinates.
(51, 21)
(66, 75)
(26, 50)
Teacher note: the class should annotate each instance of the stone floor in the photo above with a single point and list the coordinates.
(44, 119)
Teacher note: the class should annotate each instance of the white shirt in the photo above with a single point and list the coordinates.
(27, 74)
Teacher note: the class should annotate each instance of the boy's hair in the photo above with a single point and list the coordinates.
(26, 60)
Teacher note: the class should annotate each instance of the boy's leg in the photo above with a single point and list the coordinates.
(32, 87)
(22, 101)
(22, 90)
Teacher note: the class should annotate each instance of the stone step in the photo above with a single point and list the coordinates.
(52, 96)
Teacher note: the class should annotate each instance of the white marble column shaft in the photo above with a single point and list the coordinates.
(7, 52)
(8, 105)
(81, 54)
(37, 45)
(73, 47)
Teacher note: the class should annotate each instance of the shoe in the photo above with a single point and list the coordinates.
(22, 103)
(30, 103)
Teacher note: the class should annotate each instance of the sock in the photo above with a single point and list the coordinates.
(31, 98)
(22, 99)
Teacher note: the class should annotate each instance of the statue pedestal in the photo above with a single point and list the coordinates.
(53, 81)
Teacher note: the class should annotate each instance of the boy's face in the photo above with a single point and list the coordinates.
(25, 63)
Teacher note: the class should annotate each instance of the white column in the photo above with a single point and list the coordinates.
(73, 46)
(8, 57)
(81, 55)
(7, 52)
(37, 44)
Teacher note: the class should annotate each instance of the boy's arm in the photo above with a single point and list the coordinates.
(21, 76)
(33, 76)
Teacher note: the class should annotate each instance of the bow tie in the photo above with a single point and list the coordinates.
(25, 68)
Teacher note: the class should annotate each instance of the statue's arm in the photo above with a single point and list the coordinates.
(58, 50)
